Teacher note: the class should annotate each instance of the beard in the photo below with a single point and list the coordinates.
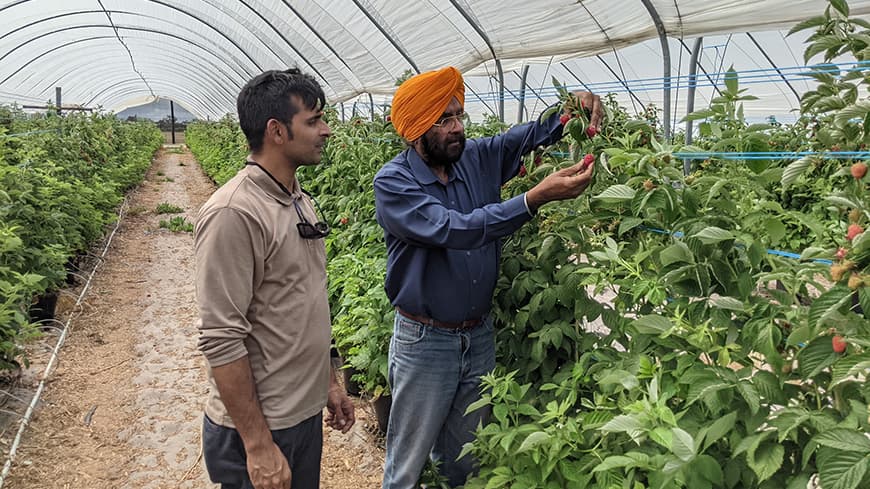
(442, 153)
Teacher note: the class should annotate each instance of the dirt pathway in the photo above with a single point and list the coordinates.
(123, 408)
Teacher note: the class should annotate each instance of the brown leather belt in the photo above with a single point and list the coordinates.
(467, 324)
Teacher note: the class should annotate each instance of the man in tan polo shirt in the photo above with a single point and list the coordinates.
(261, 290)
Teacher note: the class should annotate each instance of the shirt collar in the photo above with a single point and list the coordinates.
(423, 173)
(269, 184)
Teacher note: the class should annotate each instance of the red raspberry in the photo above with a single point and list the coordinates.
(591, 131)
(853, 230)
(564, 119)
(859, 170)
(838, 344)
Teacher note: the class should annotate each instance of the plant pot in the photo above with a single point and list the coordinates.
(42, 311)
(351, 386)
(382, 411)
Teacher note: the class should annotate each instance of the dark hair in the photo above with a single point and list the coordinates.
(267, 96)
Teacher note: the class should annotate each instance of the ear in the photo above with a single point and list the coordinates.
(276, 131)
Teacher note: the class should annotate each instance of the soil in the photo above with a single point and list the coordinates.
(123, 407)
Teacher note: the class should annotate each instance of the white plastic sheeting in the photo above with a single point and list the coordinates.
(200, 52)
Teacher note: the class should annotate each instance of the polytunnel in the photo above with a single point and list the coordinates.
(117, 54)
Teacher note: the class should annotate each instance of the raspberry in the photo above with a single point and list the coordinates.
(591, 131)
(564, 119)
(838, 344)
(853, 230)
(859, 170)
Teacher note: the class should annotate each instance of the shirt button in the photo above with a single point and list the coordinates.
(473, 308)
(468, 253)
(474, 281)
(453, 202)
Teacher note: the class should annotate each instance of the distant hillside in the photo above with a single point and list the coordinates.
(156, 111)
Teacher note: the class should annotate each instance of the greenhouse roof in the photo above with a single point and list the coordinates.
(115, 54)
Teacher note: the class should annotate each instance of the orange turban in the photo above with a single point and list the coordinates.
(421, 100)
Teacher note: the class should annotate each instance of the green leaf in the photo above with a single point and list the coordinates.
(709, 468)
(533, 440)
(851, 368)
(613, 462)
(718, 429)
(750, 395)
(731, 80)
(858, 110)
(808, 24)
(616, 194)
(765, 460)
(663, 436)
(652, 324)
(844, 439)
(794, 170)
(678, 252)
(683, 445)
(713, 234)
(827, 303)
(816, 356)
(729, 303)
(841, 6)
(628, 224)
(841, 470)
(622, 424)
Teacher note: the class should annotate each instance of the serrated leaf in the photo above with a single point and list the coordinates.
(815, 357)
(765, 460)
(841, 6)
(807, 24)
(826, 303)
(628, 224)
(844, 439)
(729, 303)
(718, 429)
(750, 395)
(841, 470)
(713, 234)
(652, 324)
(678, 252)
(853, 367)
(683, 446)
(622, 424)
(858, 110)
(616, 194)
(534, 440)
(794, 170)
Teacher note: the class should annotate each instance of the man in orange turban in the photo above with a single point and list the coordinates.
(440, 205)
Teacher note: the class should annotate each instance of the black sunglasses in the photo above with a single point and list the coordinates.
(318, 230)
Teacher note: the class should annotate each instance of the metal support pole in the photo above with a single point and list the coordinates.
(372, 105)
(666, 55)
(57, 99)
(522, 94)
(485, 38)
(172, 119)
(342, 112)
(690, 100)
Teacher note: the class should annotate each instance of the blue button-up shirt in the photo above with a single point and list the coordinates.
(444, 241)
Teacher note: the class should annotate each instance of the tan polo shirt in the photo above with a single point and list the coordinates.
(261, 292)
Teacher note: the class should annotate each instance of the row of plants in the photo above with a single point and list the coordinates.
(712, 364)
(646, 336)
(61, 180)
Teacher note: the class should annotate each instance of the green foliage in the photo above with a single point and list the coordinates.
(58, 190)
(177, 224)
(167, 208)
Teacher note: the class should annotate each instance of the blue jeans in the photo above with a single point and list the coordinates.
(434, 376)
(226, 461)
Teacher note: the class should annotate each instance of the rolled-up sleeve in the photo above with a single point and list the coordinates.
(228, 248)
(404, 210)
